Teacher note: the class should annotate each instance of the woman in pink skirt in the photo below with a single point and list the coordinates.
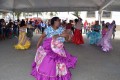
(52, 61)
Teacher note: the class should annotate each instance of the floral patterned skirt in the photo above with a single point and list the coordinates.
(52, 62)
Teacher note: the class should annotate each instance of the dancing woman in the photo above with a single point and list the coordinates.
(94, 36)
(104, 30)
(52, 61)
(77, 37)
(105, 41)
(23, 41)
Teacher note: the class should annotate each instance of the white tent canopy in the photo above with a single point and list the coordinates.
(59, 5)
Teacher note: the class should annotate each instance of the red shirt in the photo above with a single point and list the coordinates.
(69, 26)
(85, 24)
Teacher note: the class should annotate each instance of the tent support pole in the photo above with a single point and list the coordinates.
(13, 16)
(100, 17)
(106, 4)
(37, 14)
(27, 14)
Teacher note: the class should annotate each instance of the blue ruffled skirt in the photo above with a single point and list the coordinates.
(93, 37)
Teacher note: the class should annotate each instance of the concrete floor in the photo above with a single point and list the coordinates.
(93, 64)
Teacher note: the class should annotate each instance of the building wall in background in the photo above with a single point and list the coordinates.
(67, 16)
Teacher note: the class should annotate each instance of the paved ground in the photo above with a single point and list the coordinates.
(93, 64)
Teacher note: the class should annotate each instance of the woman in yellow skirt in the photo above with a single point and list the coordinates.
(23, 41)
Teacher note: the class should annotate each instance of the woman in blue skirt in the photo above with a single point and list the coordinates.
(94, 35)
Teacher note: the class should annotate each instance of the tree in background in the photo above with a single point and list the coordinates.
(4, 14)
(53, 14)
(76, 13)
(17, 14)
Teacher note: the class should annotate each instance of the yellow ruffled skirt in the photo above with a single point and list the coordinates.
(23, 47)
(26, 45)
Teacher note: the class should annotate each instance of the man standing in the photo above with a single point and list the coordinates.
(114, 29)
(42, 26)
(85, 26)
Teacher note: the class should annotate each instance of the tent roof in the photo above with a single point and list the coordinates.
(58, 5)
(114, 6)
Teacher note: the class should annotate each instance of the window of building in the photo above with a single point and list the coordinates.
(106, 14)
(90, 14)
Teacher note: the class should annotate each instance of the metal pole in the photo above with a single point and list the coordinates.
(13, 16)
(106, 4)
(100, 17)
(27, 15)
(37, 14)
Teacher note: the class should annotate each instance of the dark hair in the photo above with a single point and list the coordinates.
(113, 22)
(76, 20)
(22, 23)
(70, 21)
(30, 22)
(18, 20)
(2, 20)
(64, 22)
(53, 20)
(106, 26)
(96, 22)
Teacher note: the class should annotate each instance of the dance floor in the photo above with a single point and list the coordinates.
(93, 64)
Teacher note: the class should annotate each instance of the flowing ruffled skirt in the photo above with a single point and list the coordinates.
(23, 47)
(93, 37)
(77, 37)
(105, 41)
(24, 42)
(105, 44)
(49, 65)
